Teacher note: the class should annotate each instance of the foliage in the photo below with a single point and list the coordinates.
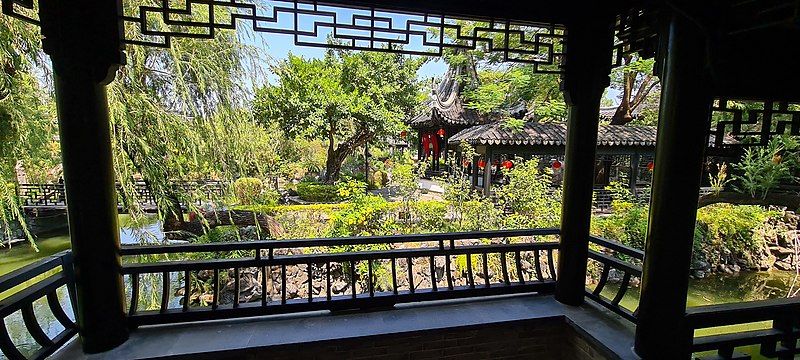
(178, 114)
(551, 111)
(720, 180)
(250, 191)
(316, 192)
(638, 88)
(405, 179)
(27, 119)
(764, 168)
(378, 179)
(515, 125)
(346, 99)
(366, 215)
(628, 221)
(727, 229)
(530, 195)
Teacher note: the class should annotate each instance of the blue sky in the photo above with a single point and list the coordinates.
(278, 46)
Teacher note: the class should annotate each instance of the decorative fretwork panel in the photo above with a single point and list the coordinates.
(25, 10)
(316, 25)
(634, 33)
(748, 123)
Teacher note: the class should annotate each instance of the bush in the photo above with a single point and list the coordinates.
(732, 231)
(316, 192)
(248, 190)
(378, 180)
(628, 221)
(762, 169)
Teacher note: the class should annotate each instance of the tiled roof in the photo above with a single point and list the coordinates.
(554, 134)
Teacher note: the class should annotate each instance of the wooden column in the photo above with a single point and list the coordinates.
(588, 65)
(682, 130)
(474, 165)
(633, 176)
(419, 145)
(82, 38)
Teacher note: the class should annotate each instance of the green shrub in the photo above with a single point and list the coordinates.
(627, 223)
(732, 230)
(316, 192)
(762, 169)
(378, 180)
(248, 190)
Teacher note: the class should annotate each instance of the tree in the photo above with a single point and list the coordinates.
(638, 87)
(346, 99)
(27, 118)
(179, 114)
(493, 86)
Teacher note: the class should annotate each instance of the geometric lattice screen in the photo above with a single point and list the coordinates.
(315, 25)
(753, 123)
(158, 22)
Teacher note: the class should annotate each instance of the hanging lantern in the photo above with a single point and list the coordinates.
(508, 164)
(465, 163)
(556, 165)
(481, 163)
(403, 134)
(650, 166)
(440, 132)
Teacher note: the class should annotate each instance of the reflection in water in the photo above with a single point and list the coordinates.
(19, 334)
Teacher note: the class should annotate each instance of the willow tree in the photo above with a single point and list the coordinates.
(27, 119)
(182, 113)
(346, 99)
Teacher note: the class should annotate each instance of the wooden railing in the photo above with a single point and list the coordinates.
(418, 268)
(778, 341)
(27, 285)
(363, 273)
(619, 260)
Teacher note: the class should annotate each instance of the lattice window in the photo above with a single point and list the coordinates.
(634, 33)
(25, 10)
(158, 22)
(752, 123)
(317, 25)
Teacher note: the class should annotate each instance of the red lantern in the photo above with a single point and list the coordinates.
(481, 164)
(508, 164)
(556, 165)
(466, 163)
(650, 166)
(403, 134)
(440, 132)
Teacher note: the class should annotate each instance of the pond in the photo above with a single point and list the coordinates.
(711, 290)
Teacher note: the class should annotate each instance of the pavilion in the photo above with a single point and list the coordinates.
(624, 152)
(706, 52)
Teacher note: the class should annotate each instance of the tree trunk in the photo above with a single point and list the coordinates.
(337, 156)
(623, 114)
(789, 200)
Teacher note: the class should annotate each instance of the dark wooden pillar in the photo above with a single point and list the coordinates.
(682, 130)
(487, 172)
(633, 176)
(419, 145)
(82, 38)
(588, 64)
(474, 165)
